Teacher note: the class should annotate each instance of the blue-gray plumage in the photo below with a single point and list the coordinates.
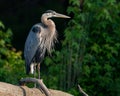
(41, 38)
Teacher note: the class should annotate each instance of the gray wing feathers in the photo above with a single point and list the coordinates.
(31, 45)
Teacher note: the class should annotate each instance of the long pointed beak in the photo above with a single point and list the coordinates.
(61, 15)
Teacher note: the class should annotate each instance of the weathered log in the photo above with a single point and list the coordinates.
(82, 91)
(39, 82)
(7, 89)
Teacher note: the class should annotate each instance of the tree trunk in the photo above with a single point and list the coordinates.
(13, 90)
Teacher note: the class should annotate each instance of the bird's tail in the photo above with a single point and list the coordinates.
(27, 69)
(30, 68)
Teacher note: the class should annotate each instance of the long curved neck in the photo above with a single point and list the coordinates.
(51, 35)
(49, 23)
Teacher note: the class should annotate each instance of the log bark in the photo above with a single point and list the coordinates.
(82, 91)
(7, 89)
(39, 82)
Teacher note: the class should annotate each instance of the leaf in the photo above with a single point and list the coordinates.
(2, 25)
(86, 70)
(75, 2)
(108, 68)
(95, 48)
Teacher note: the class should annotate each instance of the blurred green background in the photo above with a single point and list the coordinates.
(88, 52)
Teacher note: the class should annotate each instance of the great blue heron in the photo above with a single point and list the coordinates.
(41, 38)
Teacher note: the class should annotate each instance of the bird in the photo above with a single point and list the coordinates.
(41, 38)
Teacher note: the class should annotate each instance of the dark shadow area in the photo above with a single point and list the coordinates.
(21, 15)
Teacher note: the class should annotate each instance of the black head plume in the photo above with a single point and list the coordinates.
(49, 11)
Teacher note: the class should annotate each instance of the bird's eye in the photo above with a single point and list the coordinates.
(54, 13)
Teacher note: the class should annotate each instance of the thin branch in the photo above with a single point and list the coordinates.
(81, 91)
(37, 81)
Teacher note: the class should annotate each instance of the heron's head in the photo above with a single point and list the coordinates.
(51, 13)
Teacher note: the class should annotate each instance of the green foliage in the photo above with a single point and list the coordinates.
(102, 58)
(11, 63)
(90, 50)
(89, 54)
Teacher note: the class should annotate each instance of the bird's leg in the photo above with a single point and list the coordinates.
(38, 70)
(34, 71)
(38, 67)
(35, 74)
